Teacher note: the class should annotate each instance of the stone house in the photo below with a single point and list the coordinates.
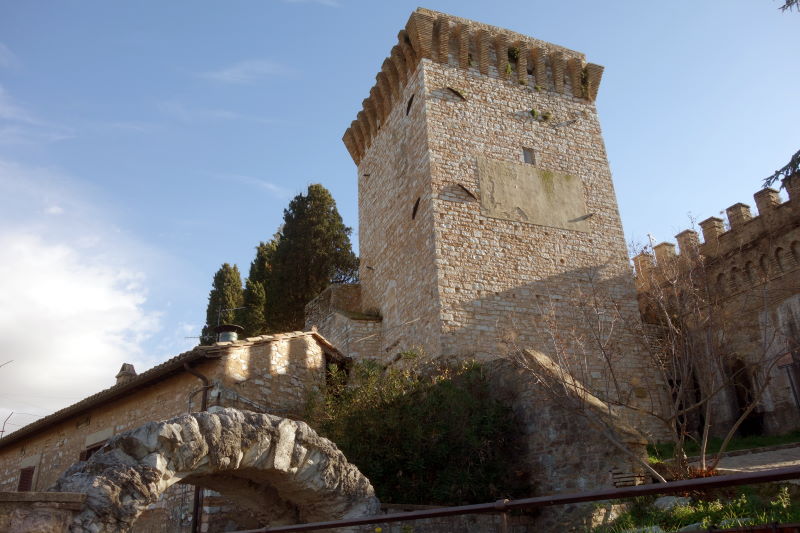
(750, 272)
(271, 373)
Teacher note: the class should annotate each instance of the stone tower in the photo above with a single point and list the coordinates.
(487, 220)
(485, 196)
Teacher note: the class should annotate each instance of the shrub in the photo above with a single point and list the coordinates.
(423, 435)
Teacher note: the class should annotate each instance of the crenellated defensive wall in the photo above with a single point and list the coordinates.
(468, 45)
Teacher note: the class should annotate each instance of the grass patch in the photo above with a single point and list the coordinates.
(663, 451)
(723, 508)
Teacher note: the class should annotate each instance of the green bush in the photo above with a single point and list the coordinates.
(423, 435)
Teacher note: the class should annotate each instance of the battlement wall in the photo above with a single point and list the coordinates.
(748, 272)
(468, 45)
(750, 249)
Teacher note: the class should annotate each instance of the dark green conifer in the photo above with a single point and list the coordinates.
(253, 319)
(313, 251)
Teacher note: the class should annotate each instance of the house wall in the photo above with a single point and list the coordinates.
(59, 446)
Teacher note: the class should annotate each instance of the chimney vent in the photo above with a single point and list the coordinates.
(228, 332)
(126, 373)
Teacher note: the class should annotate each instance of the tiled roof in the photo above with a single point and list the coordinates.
(157, 373)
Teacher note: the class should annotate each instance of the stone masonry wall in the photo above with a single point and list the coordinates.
(38, 512)
(337, 313)
(497, 273)
(53, 450)
(277, 376)
(396, 240)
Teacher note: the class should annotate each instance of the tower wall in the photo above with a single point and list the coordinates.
(499, 273)
(396, 239)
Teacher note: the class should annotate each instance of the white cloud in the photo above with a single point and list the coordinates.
(247, 71)
(192, 115)
(135, 126)
(11, 111)
(72, 306)
(329, 3)
(7, 57)
(19, 126)
(67, 320)
(273, 189)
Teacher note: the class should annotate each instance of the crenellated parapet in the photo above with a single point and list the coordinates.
(748, 249)
(469, 45)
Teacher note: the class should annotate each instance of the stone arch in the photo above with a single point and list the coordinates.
(763, 264)
(275, 465)
(795, 250)
(735, 279)
(721, 288)
(748, 272)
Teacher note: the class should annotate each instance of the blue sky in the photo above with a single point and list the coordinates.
(143, 144)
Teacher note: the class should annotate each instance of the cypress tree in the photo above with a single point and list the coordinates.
(313, 251)
(254, 321)
(255, 300)
(225, 296)
(261, 266)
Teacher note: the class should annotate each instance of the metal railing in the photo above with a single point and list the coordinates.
(502, 506)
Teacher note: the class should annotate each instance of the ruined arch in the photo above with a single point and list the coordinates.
(780, 260)
(735, 279)
(763, 263)
(275, 465)
(795, 249)
(748, 272)
(721, 288)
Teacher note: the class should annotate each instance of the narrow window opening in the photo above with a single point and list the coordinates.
(26, 479)
(408, 105)
(779, 259)
(414, 211)
(748, 272)
(469, 192)
(721, 284)
(528, 156)
(90, 451)
(456, 92)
